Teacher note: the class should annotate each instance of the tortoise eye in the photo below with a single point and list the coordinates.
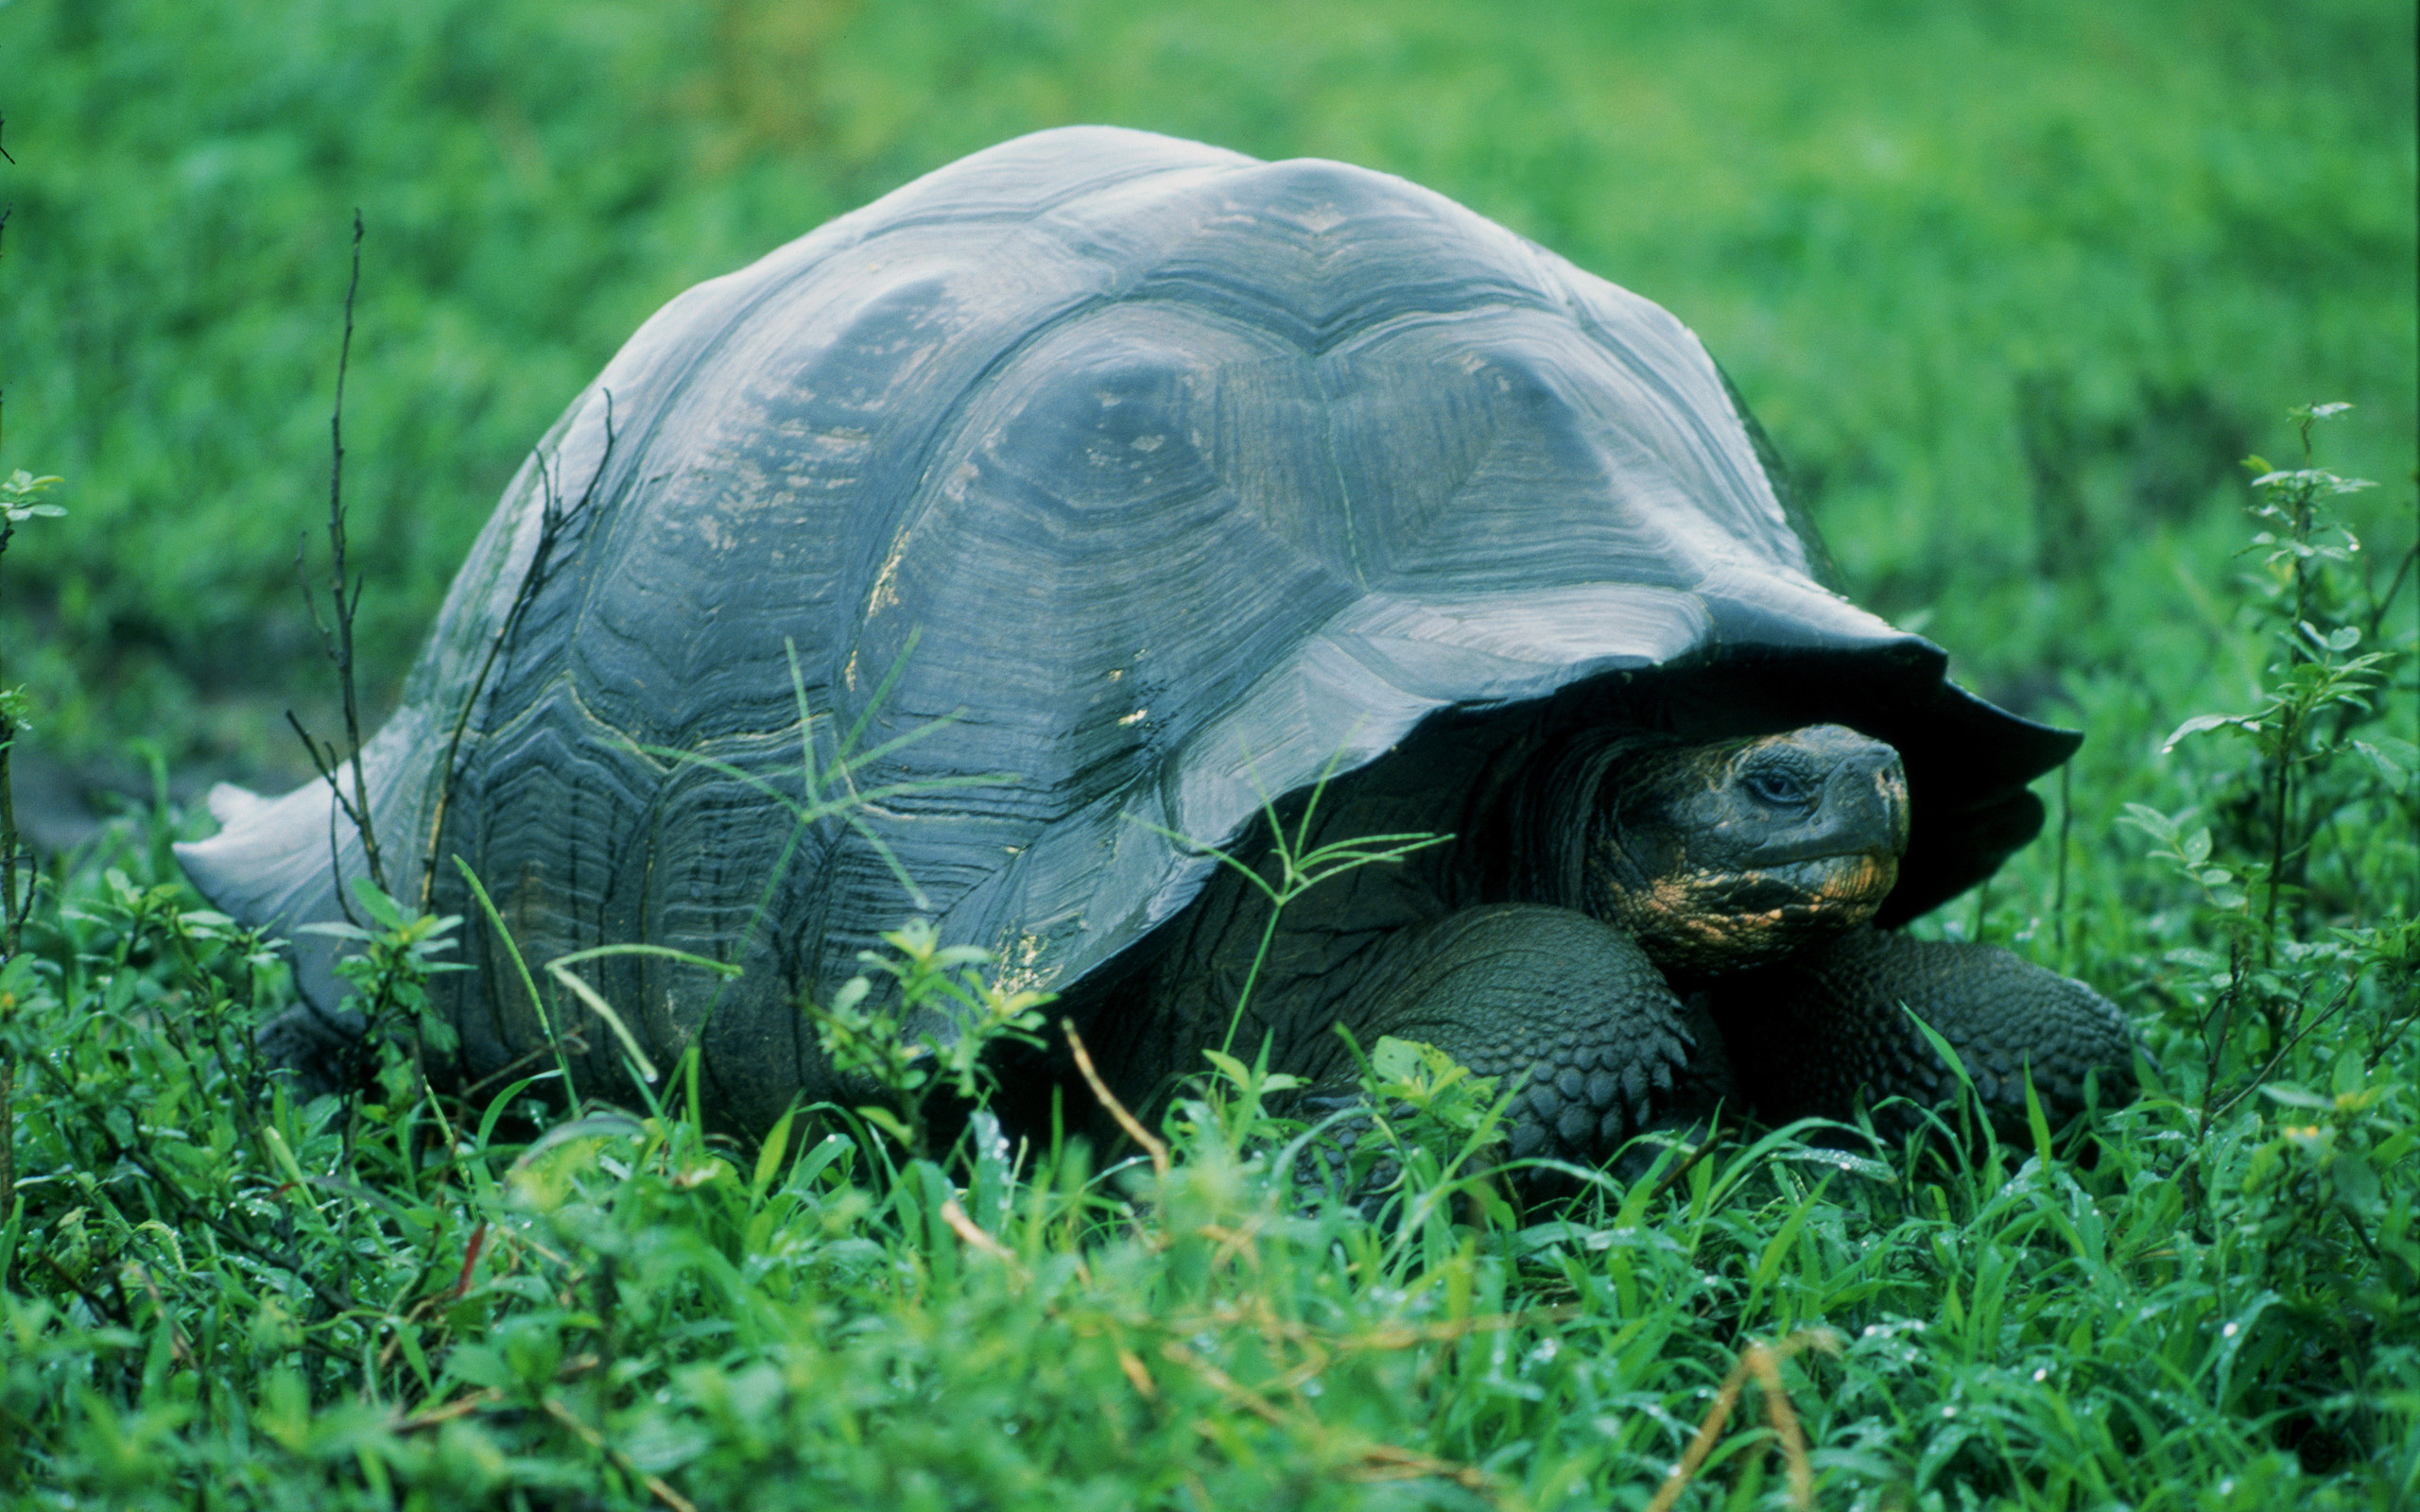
(1778, 787)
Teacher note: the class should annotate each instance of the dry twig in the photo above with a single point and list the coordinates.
(662, 1489)
(966, 1228)
(1763, 1361)
(1151, 1142)
(345, 595)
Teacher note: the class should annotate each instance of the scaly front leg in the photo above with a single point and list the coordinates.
(1816, 1034)
(1566, 1010)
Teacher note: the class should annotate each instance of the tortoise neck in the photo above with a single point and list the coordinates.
(1534, 815)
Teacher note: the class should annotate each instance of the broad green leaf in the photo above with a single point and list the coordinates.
(2356, 1181)
(2199, 723)
(2293, 1096)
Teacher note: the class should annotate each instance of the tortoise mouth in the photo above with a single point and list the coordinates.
(1707, 923)
(1836, 884)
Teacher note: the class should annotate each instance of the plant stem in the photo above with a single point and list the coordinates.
(8, 1136)
(2279, 793)
(12, 918)
(1277, 903)
(2059, 901)
(2305, 493)
(346, 603)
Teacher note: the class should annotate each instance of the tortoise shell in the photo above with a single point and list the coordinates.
(1098, 487)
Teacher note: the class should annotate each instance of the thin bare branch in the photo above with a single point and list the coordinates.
(345, 594)
(349, 599)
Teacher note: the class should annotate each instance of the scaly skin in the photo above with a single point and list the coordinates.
(1743, 872)
(1810, 1034)
(1716, 915)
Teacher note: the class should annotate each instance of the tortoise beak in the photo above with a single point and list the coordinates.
(1860, 810)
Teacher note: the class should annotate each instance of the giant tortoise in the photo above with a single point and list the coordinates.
(1108, 492)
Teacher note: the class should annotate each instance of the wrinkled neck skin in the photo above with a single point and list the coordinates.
(1730, 854)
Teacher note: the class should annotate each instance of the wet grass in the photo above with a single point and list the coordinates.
(2015, 285)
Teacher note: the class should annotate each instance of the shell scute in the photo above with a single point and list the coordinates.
(1156, 480)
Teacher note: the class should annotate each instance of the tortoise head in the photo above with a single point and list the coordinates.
(1737, 853)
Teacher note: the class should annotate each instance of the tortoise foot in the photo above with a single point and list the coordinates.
(1565, 1011)
(1821, 1033)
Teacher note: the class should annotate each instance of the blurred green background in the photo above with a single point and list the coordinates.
(2013, 284)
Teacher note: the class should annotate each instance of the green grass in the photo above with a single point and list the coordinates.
(2014, 285)
(213, 1299)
